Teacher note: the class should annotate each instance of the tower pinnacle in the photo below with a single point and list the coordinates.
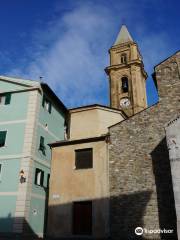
(123, 36)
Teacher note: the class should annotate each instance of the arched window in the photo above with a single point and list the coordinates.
(123, 58)
(124, 81)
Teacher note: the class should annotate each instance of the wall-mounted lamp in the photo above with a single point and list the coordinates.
(22, 177)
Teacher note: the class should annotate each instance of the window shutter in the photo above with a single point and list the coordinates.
(48, 178)
(84, 158)
(2, 138)
(50, 107)
(42, 145)
(41, 141)
(36, 174)
(8, 98)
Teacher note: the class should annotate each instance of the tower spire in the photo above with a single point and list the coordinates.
(123, 36)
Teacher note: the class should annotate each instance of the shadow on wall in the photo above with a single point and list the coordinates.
(128, 206)
(127, 212)
(164, 186)
(6, 226)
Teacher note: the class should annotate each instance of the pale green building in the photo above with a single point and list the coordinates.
(31, 116)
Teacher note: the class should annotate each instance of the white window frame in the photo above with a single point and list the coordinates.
(38, 177)
(0, 172)
(2, 100)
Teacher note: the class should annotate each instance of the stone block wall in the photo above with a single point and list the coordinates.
(141, 193)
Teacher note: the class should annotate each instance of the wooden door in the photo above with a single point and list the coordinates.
(82, 218)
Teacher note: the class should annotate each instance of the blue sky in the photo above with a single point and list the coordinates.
(67, 42)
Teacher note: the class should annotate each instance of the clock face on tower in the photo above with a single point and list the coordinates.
(124, 102)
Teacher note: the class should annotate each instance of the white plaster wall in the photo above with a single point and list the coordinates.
(92, 122)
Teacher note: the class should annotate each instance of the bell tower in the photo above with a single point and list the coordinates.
(127, 77)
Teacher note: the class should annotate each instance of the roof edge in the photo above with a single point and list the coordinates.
(134, 115)
(78, 141)
(46, 88)
(20, 81)
(100, 106)
(166, 59)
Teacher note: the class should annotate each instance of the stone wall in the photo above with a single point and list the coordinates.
(141, 192)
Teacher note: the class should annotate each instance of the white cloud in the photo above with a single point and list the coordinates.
(72, 51)
(73, 63)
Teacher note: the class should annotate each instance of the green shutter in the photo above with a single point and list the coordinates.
(35, 179)
(41, 141)
(50, 107)
(2, 138)
(8, 98)
(42, 146)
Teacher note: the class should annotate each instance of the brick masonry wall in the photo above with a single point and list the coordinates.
(139, 169)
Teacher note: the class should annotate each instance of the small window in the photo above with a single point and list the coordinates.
(5, 99)
(124, 84)
(0, 172)
(48, 179)
(42, 147)
(39, 177)
(123, 58)
(46, 104)
(84, 158)
(2, 138)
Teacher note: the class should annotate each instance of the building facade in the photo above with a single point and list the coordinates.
(79, 188)
(31, 116)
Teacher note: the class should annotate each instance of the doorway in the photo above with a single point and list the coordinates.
(82, 218)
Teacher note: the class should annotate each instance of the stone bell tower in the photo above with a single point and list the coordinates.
(127, 76)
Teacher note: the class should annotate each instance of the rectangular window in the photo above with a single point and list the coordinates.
(48, 179)
(5, 99)
(82, 218)
(2, 138)
(46, 104)
(84, 158)
(42, 145)
(124, 84)
(39, 177)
